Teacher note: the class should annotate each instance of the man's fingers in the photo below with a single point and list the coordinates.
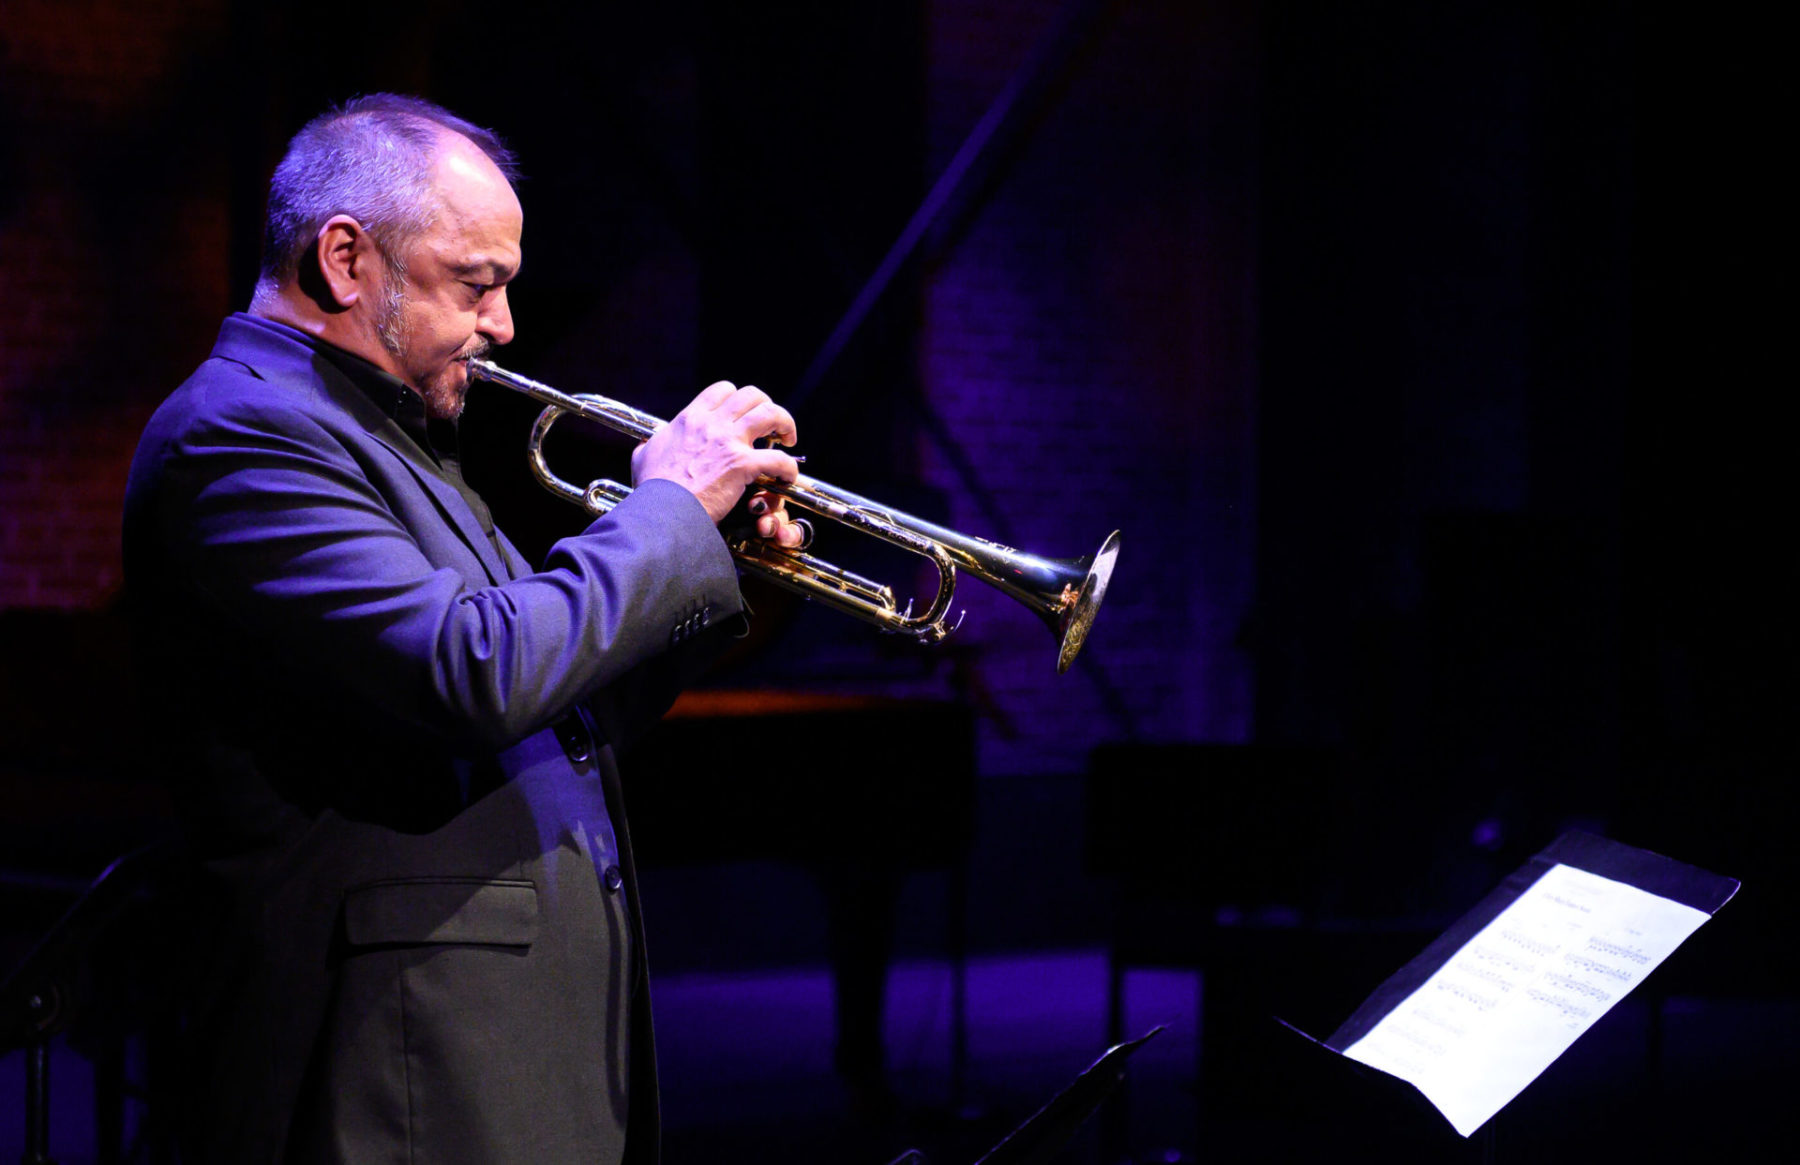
(803, 533)
(714, 395)
(794, 535)
(710, 447)
(772, 463)
(743, 401)
(752, 414)
(770, 420)
(758, 416)
(785, 531)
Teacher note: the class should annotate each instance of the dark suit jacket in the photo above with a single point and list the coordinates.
(395, 751)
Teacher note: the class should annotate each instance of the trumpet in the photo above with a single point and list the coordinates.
(1065, 593)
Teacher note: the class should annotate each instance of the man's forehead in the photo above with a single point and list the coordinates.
(479, 219)
(461, 159)
(468, 183)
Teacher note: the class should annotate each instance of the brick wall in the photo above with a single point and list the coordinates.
(112, 220)
(1088, 343)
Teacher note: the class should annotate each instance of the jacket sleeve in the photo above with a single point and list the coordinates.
(626, 710)
(268, 517)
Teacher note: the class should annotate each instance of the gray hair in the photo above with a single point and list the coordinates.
(370, 158)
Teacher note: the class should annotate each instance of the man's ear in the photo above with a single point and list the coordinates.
(345, 254)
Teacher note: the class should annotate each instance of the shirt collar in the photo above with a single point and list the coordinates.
(389, 394)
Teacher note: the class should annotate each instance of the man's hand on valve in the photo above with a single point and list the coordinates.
(709, 448)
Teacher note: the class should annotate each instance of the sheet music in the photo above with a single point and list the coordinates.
(1514, 998)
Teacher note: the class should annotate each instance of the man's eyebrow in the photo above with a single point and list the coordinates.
(485, 271)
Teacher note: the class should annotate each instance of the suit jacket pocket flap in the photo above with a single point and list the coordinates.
(442, 910)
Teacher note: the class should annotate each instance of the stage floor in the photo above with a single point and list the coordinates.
(747, 1077)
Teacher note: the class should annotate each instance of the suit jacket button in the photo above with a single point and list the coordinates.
(613, 878)
(572, 735)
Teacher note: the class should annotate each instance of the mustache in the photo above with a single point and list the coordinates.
(476, 350)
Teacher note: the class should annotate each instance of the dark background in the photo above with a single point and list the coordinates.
(1427, 354)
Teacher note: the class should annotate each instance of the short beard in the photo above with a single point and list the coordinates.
(390, 312)
(443, 400)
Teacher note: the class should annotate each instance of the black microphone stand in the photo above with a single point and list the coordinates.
(37, 999)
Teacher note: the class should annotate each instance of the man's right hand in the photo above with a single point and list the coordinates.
(709, 447)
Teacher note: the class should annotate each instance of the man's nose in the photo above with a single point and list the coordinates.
(495, 321)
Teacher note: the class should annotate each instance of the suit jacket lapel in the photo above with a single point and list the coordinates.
(516, 563)
(275, 356)
(445, 496)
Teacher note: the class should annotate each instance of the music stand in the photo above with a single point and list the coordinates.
(1494, 1000)
(1047, 1131)
(38, 998)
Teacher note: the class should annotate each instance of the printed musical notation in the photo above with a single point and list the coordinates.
(1618, 951)
(1595, 968)
(1485, 954)
(1526, 942)
(1578, 987)
(1474, 999)
(1561, 1004)
(1501, 1009)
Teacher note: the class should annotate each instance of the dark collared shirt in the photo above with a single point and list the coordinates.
(435, 436)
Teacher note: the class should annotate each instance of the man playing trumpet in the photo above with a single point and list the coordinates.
(394, 740)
